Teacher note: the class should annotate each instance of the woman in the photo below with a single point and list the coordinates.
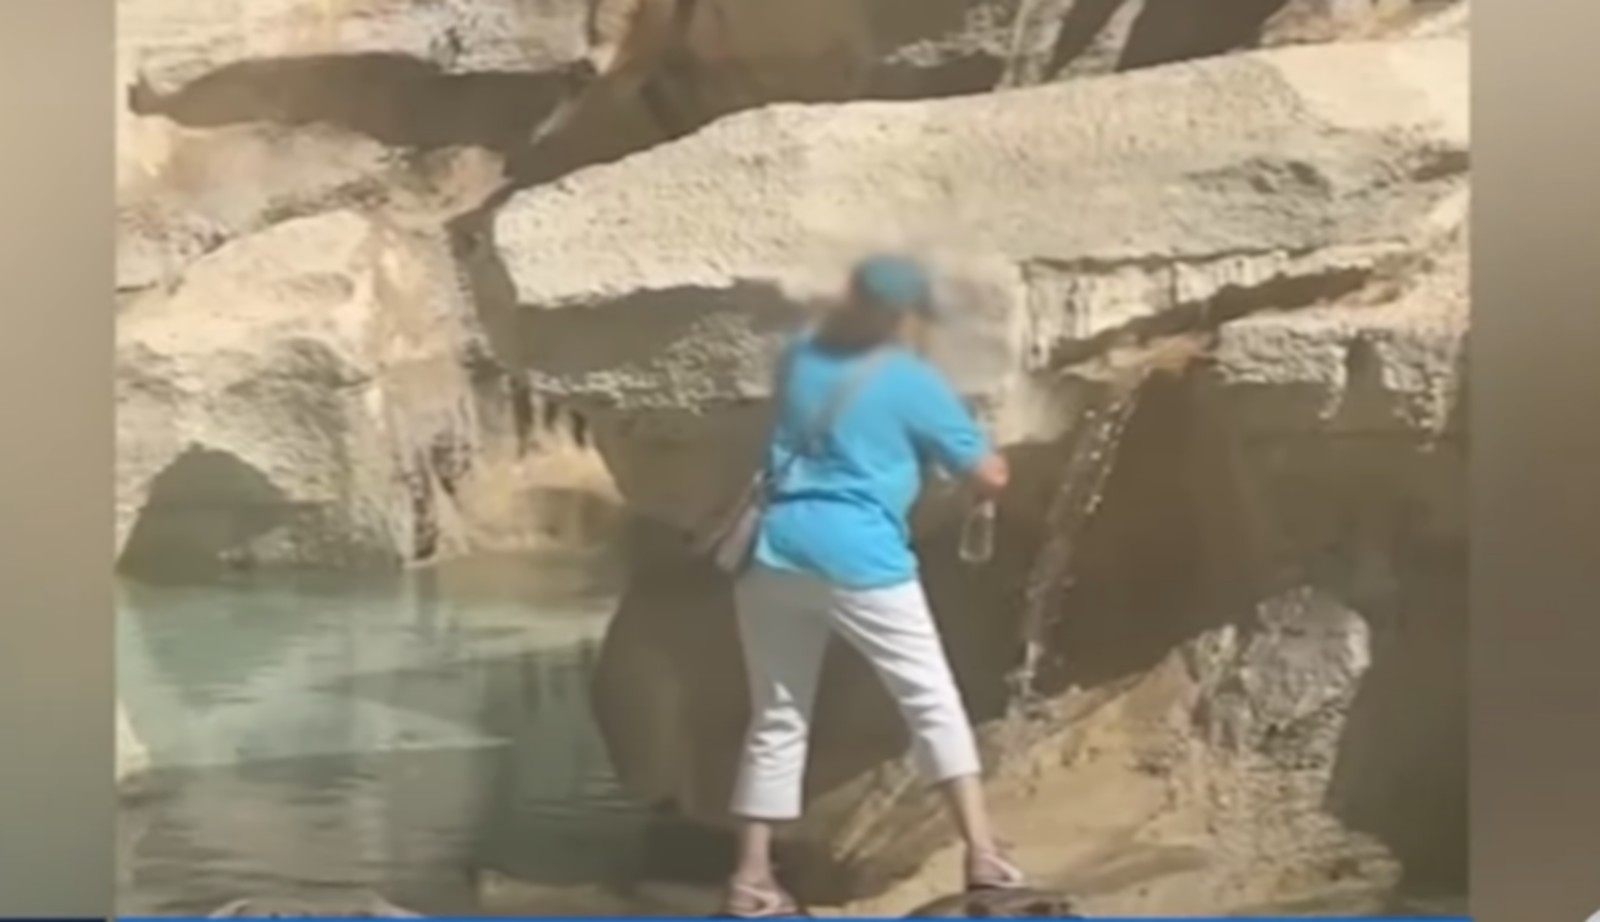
(833, 555)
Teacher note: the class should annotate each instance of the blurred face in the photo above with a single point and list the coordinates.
(909, 325)
(898, 286)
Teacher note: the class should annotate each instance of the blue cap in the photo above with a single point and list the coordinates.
(894, 282)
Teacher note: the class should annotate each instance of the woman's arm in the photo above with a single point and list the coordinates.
(941, 426)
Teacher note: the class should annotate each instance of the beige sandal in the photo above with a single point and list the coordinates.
(758, 901)
(993, 871)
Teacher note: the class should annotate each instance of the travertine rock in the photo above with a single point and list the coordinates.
(1306, 21)
(1452, 19)
(211, 186)
(748, 53)
(734, 55)
(1393, 367)
(1069, 212)
(1060, 39)
(316, 393)
(415, 73)
(302, 379)
(1313, 203)
(297, 399)
(789, 53)
(171, 45)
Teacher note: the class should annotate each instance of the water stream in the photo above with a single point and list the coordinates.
(397, 735)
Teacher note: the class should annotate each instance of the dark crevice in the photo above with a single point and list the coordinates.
(485, 280)
(549, 415)
(450, 461)
(652, 66)
(1441, 163)
(972, 75)
(1362, 365)
(202, 515)
(674, 120)
(675, 76)
(482, 367)
(1167, 31)
(1229, 303)
(1401, 773)
(1150, 575)
(1079, 28)
(557, 419)
(398, 100)
(578, 427)
(424, 512)
(522, 412)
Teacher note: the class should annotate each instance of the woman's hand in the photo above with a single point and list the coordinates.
(991, 476)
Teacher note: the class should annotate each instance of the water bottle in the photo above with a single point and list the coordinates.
(977, 533)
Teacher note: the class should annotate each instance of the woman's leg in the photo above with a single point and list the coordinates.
(987, 866)
(783, 627)
(894, 630)
(753, 865)
(963, 800)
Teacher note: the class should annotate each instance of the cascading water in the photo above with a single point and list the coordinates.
(1090, 457)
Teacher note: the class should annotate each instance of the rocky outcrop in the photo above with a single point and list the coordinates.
(1310, 213)
(1063, 39)
(346, 338)
(724, 56)
(487, 74)
(284, 401)
(175, 45)
(305, 396)
(190, 202)
(1290, 184)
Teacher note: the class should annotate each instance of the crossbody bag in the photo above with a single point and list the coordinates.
(731, 541)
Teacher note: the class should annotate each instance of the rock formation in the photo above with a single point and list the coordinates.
(362, 322)
(1313, 205)
(1288, 184)
(1064, 39)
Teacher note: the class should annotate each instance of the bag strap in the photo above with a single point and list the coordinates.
(816, 429)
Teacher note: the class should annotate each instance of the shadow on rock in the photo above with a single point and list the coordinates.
(394, 99)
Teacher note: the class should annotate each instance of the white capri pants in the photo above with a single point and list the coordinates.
(785, 621)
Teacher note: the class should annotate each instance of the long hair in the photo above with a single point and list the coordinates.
(859, 326)
(886, 295)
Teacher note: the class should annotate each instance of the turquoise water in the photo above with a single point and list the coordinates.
(319, 734)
